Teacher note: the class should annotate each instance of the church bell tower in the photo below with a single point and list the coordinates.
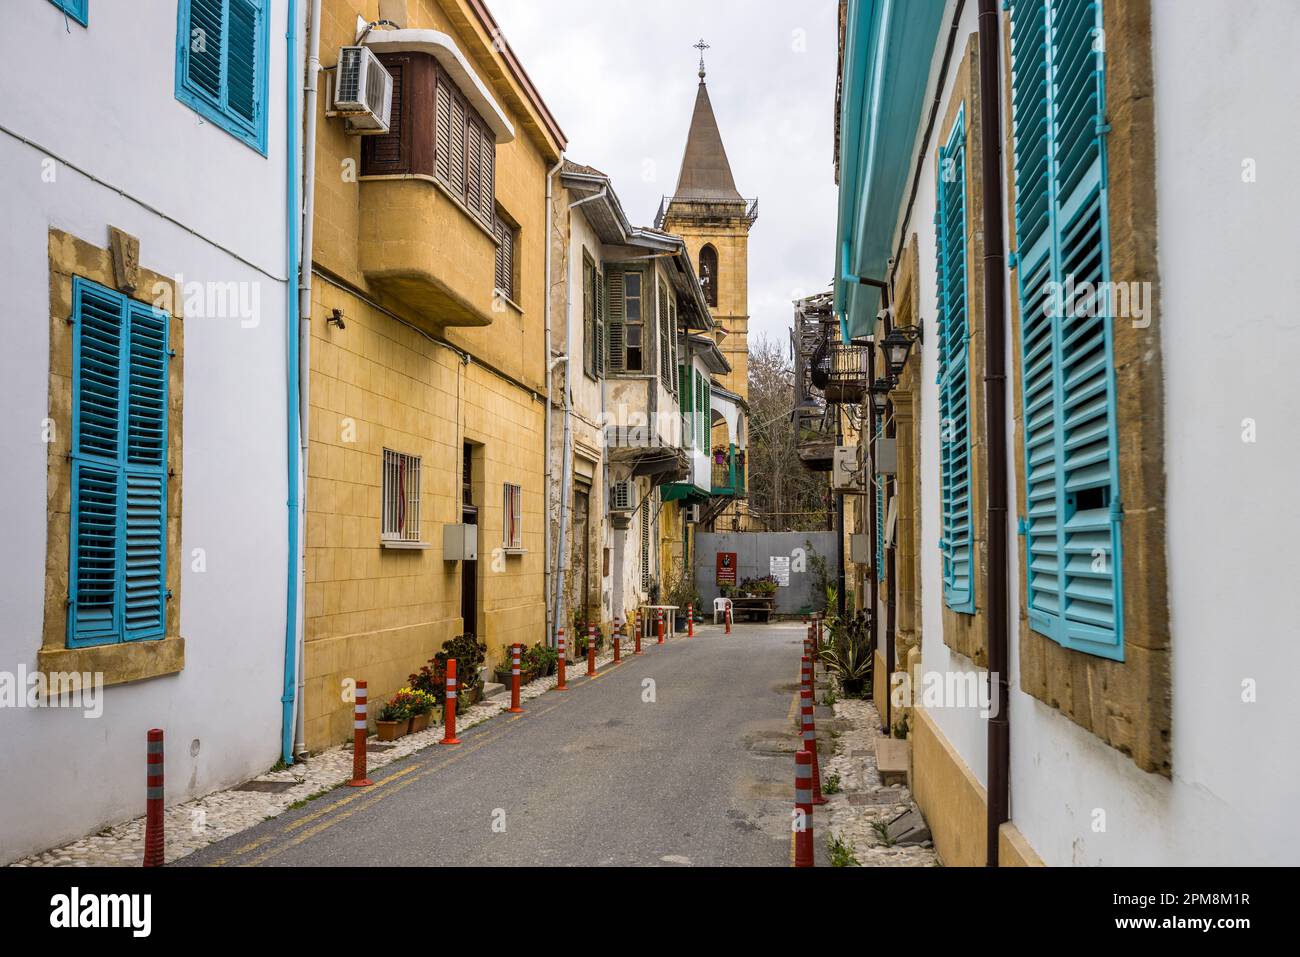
(708, 212)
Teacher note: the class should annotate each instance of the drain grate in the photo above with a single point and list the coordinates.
(267, 787)
(872, 798)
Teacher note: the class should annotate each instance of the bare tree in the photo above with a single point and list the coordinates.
(783, 495)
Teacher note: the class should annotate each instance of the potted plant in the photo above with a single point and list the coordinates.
(542, 660)
(681, 591)
(394, 718)
(421, 707)
(469, 654)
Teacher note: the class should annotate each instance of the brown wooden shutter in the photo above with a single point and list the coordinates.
(487, 173)
(456, 177)
(442, 130)
(391, 153)
(600, 324)
(472, 167)
(616, 326)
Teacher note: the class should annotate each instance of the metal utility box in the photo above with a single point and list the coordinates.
(460, 543)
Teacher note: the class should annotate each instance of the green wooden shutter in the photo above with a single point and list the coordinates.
(600, 346)
(617, 327)
(954, 378)
(665, 351)
(1073, 511)
(880, 516)
(117, 580)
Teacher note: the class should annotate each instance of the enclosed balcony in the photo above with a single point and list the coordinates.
(729, 473)
(430, 233)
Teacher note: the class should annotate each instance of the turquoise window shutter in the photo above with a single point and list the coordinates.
(117, 576)
(221, 58)
(954, 378)
(1075, 592)
(76, 9)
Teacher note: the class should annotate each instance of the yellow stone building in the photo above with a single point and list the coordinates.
(424, 502)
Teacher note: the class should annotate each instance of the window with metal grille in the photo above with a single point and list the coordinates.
(954, 380)
(76, 9)
(1072, 509)
(118, 538)
(645, 544)
(221, 56)
(401, 497)
(513, 518)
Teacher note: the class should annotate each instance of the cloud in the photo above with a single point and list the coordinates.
(621, 79)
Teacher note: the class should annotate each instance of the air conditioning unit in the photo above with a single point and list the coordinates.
(363, 92)
(622, 497)
(693, 514)
(847, 474)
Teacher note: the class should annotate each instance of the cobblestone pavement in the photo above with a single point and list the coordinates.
(854, 761)
(197, 823)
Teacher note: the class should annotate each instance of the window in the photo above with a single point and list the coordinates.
(625, 325)
(76, 9)
(507, 236)
(118, 541)
(645, 544)
(513, 517)
(954, 380)
(1073, 510)
(221, 65)
(685, 382)
(703, 401)
(709, 274)
(401, 498)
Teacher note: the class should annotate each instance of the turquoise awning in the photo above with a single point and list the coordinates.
(889, 47)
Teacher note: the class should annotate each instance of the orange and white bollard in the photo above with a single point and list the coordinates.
(449, 708)
(659, 626)
(516, 652)
(559, 667)
(639, 629)
(805, 673)
(810, 743)
(690, 620)
(591, 651)
(728, 614)
(803, 805)
(154, 839)
(618, 631)
(359, 727)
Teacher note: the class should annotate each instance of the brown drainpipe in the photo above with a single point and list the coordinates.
(995, 397)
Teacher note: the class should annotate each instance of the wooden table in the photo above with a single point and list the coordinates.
(759, 609)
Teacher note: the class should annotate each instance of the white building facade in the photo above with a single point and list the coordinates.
(146, 158)
(1147, 520)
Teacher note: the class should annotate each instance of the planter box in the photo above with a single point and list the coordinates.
(419, 722)
(392, 730)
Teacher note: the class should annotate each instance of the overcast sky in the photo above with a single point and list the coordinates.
(621, 79)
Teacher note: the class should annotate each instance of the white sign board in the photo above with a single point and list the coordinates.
(780, 569)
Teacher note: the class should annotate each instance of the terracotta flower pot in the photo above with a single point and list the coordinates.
(419, 722)
(392, 730)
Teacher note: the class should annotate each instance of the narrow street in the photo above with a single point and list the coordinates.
(699, 775)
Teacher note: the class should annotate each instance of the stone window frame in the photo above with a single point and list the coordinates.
(121, 662)
(1127, 704)
(966, 633)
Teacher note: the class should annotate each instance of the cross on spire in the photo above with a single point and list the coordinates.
(702, 46)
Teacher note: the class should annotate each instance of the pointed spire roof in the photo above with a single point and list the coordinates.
(706, 173)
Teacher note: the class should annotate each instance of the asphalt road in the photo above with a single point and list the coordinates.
(701, 774)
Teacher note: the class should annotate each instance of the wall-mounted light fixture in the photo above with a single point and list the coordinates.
(898, 346)
(880, 390)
